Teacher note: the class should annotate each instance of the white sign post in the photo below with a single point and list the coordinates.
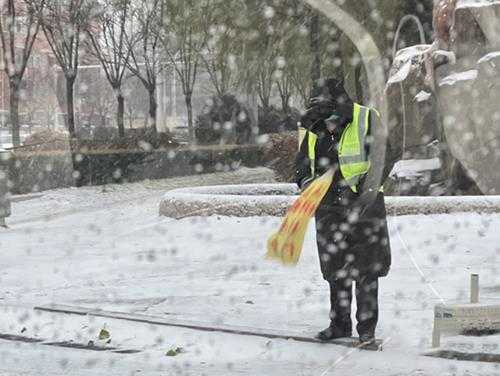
(465, 317)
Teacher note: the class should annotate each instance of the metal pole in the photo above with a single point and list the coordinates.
(436, 337)
(474, 288)
(174, 95)
(164, 102)
(56, 92)
(404, 20)
(436, 332)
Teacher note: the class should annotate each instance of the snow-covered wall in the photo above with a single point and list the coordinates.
(274, 200)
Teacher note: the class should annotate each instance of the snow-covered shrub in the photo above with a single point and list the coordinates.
(224, 120)
(46, 140)
(273, 120)
(279, 154)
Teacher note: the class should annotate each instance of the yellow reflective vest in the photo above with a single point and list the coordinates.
(353, 159)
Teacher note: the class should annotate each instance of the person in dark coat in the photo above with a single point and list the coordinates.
(351, 228)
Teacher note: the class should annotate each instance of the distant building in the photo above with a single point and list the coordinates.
(43, 95)
(38, 95)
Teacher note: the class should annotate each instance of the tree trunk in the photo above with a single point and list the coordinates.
(285, 100)
(253, 106)
(286, 104)
(120, 113)
(189, 108)
(265, 101)
(70, 118)
(14, 84)
(152, 109)
(130, 119)
(314, 30)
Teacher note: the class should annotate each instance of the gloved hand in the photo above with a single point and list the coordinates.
(365, 200)
(305, 183)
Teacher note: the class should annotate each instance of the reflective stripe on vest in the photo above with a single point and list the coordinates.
(302, 135)
(311, 151)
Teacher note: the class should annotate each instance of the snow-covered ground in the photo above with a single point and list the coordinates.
(109, 249)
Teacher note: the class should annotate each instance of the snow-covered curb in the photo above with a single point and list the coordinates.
(25, 197)
(273, 200)
(245, 200)
(442, 205)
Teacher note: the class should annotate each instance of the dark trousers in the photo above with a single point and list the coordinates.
(367, 302)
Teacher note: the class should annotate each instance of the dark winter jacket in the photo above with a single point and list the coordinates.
(352, 235)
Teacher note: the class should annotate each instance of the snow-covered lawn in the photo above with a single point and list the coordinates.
(111, 250)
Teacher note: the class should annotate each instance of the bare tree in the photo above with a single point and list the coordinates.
(260, 54)
(19, 26)
(64, 23)
(295, 58)
(41, 102)
(221, 57)
(98, 101)
(315, 34)
(302, 83)
(110, 47)
(308, 50)
(272, 26)
(184, 37)
(136, 103)
(285, 89)
(144, 46)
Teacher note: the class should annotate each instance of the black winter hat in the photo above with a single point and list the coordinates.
(330, 90)
(328, 98)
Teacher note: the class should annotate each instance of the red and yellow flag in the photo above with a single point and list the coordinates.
(286, 245)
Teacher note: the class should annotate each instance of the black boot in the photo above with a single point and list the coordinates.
(367, 339)
(340, 311)
(367, 312)
(333, 332)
